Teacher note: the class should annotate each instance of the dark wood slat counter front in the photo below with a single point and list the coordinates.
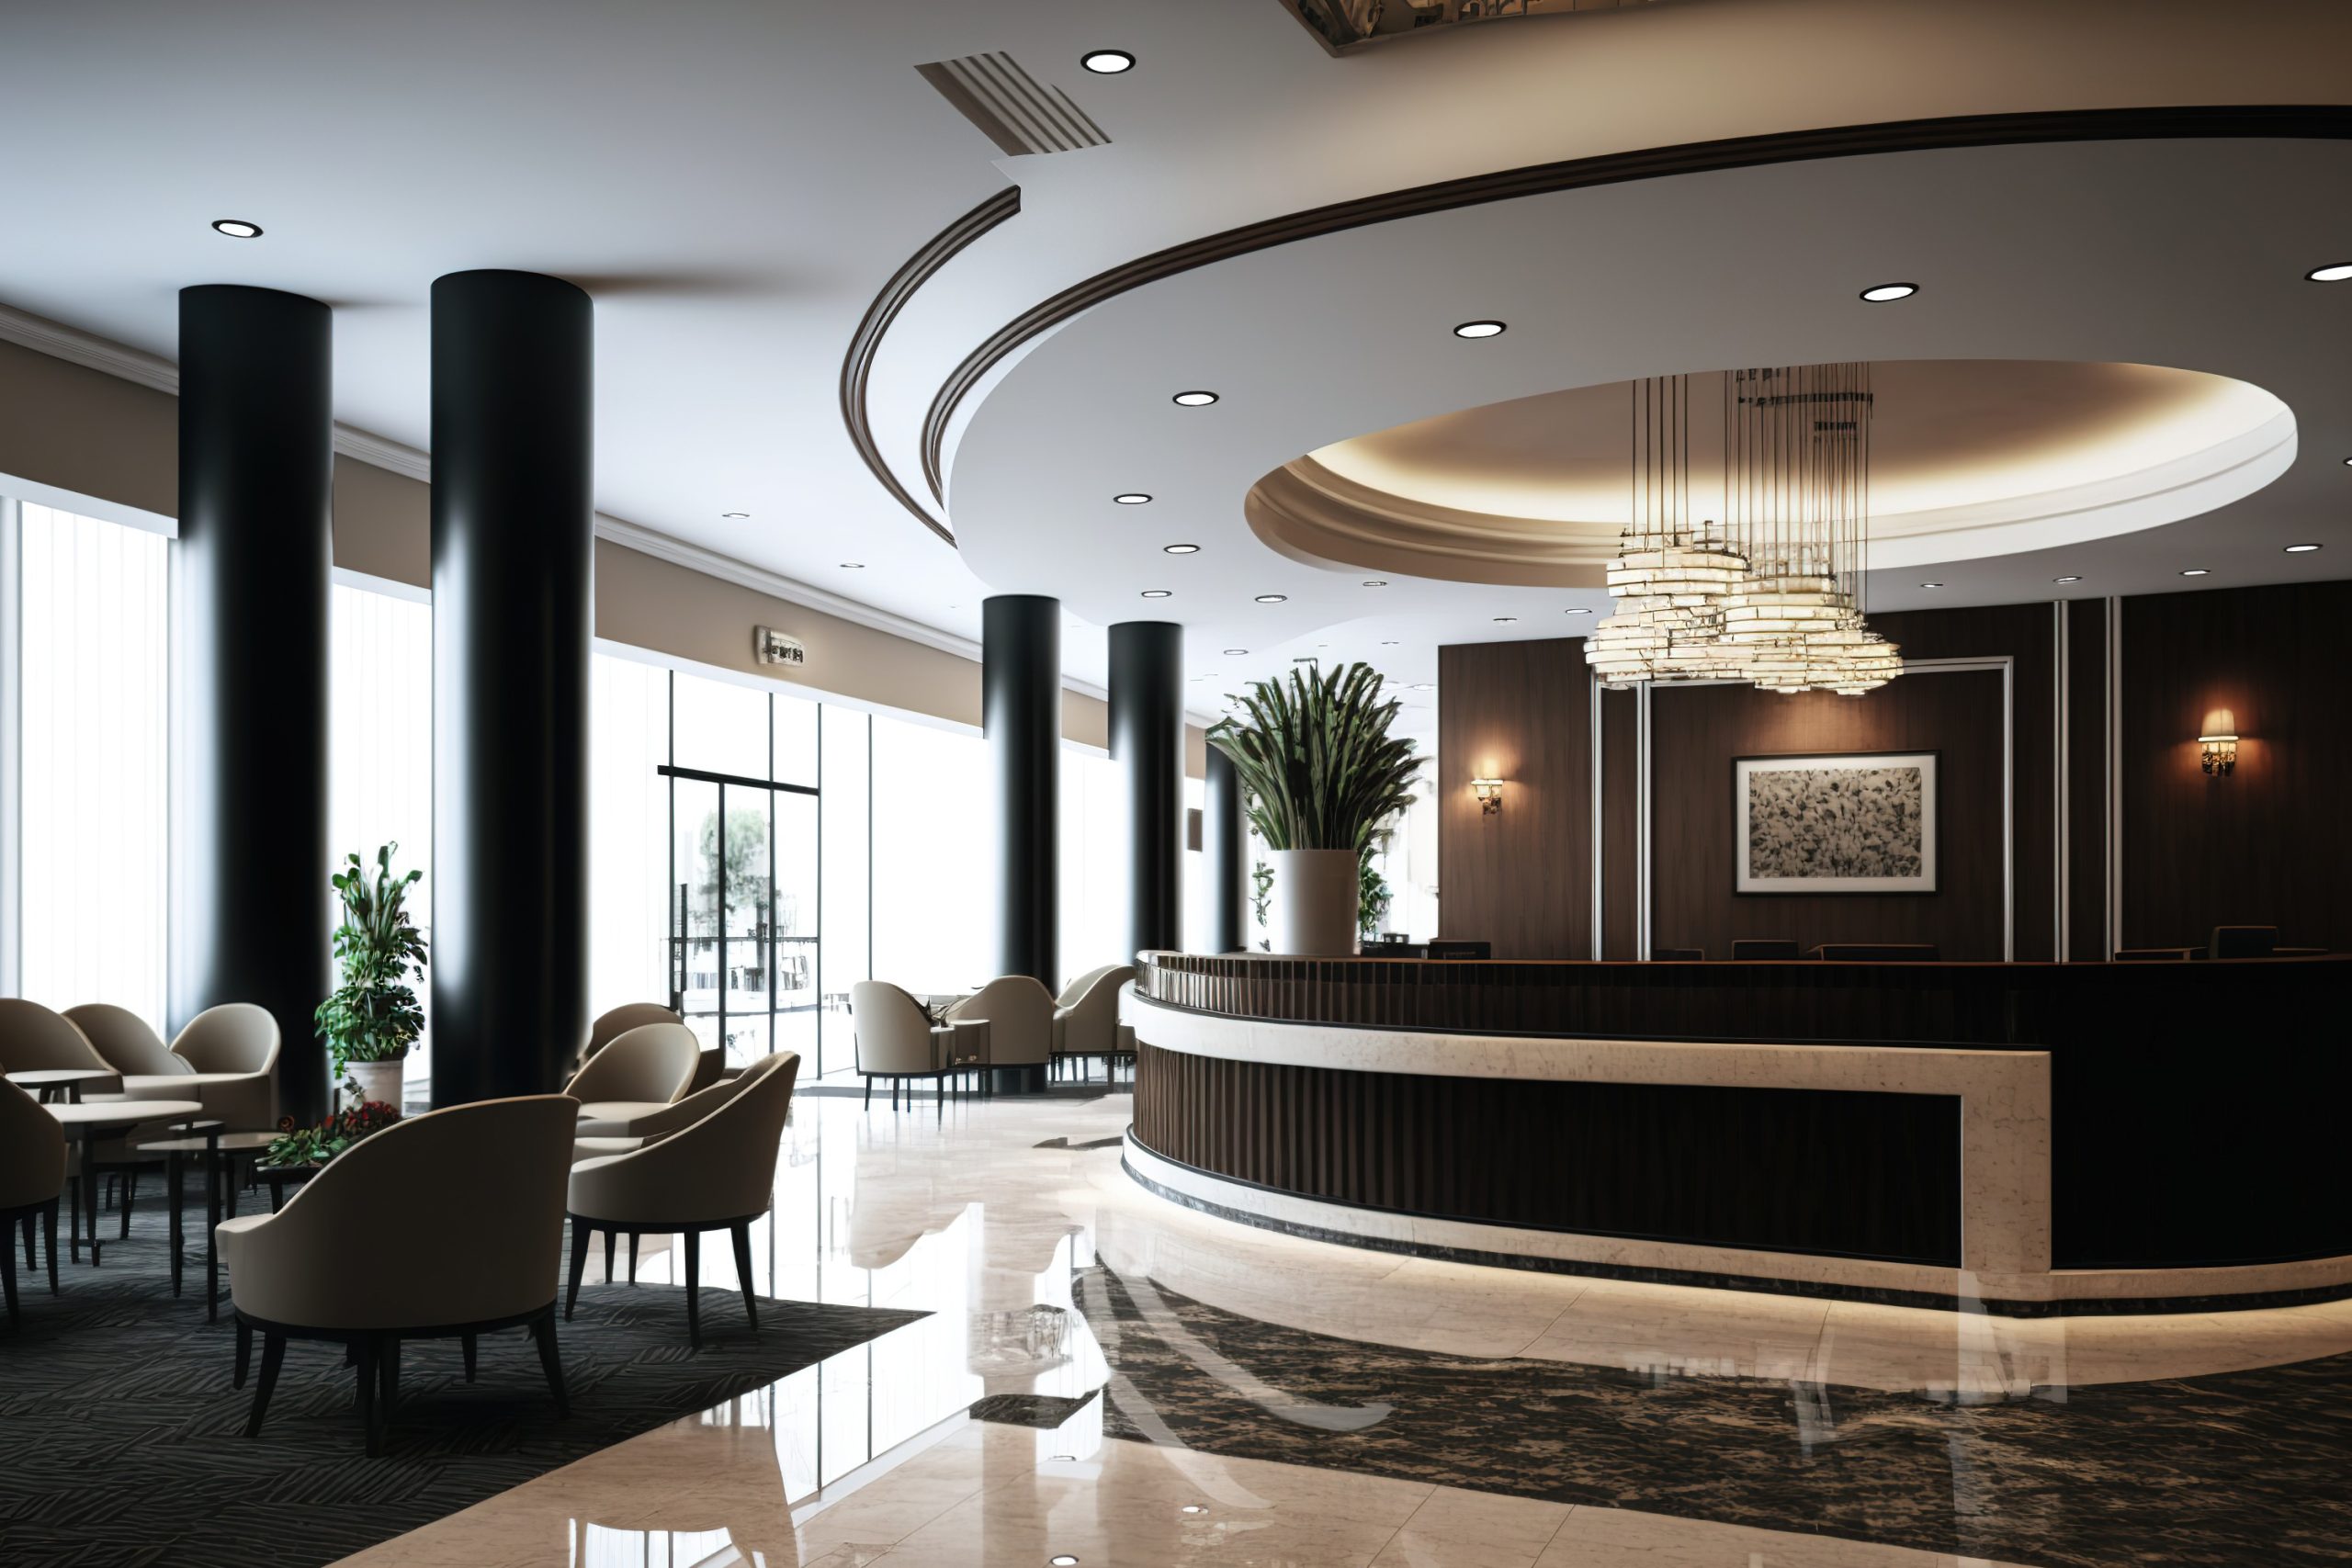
(2038, 1137)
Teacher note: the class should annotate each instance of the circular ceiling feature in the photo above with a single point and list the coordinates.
(1887, 293)
(1194, 399)
(1180, 550)
(1133, 498)
(1107, 61)
(236, 228)
(1273, 598)
(2335, 272)
(2301, 549)
(1480, 329)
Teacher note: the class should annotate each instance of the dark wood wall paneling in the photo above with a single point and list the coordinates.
(2269, 843)
(1621, 773)
(2087, 825)
(1521, 878)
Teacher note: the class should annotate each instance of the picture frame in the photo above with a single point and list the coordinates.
(1851, 822)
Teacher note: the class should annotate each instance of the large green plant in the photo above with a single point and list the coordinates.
(1316, 760)
(373, 1016)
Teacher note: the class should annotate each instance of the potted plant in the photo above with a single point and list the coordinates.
(373, 1017)
(1321, 772)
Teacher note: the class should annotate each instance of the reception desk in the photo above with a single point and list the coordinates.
(2033, 1138)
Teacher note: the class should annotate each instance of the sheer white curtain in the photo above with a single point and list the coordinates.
(629, 832)
(91, 746)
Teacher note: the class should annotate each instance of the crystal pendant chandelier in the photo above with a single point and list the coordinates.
(1670, 574)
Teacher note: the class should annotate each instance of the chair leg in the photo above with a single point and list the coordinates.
(364, 1353)
(130, 1191)
(579, 1265)
(551, 1362)
(8, 1279)
(743, 1229)
(610, 1237)
(470, 1357)
(632, 1258)
(273, 1355)
(387, 1381)
(49, 1239)
(694, 1289)
(32, 1258)
(245, 1353)
(869, 1094)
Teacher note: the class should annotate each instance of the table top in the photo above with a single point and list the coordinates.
(124, 1112)
(228, 1142)
(49, 1077)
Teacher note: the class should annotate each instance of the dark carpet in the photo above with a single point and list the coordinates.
(122, 1443)
(2252, 1467)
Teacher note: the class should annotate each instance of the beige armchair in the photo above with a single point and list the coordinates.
(33, 1039)
(612, 1024)
(462, 1212)
(644, 1070)
(228, 1057)
(32, 1175)
(895, 1039)
(717, 1174)
(1086, 1016)
(652, 1126)
(1020, 1014)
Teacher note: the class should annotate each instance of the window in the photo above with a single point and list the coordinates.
(933, 922)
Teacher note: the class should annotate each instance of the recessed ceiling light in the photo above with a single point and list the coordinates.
(1576, 610)
(1479, 329)
(1179, 549)
(1505, 620)
(1303, 658)
(2195, 571)
(1065, 1458)
(1132, 498)
(1884, 293)
(2065, 580)
(1063, 1560)
(236, 228)
(1235, 652)
(2347, 462)
(852, 566)
(1273, 598)
(1192, 1508)
(1194, 399)
(1107, 61)
(1375, 582)
(1931, 585)
(1389, 642)
(2334, 272)
(1425, 686)
(737, 516)
(2301, 549)
(1155, 592)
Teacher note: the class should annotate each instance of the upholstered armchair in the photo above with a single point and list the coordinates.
(33, 1039)
(644, 1070)
(1086, 1016)
(32, 1175)
(896, 1039)
(717, 1174)
(1020, 1015)
(462, 1215)
(232, 1057)
(611, 1025)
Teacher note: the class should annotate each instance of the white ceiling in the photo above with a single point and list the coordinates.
(734, 179)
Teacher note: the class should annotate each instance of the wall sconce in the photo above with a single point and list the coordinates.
(1490, 795)
(2220, 742)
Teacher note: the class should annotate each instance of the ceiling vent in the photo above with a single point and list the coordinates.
(1011, 107)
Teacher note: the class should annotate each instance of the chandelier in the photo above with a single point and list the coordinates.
(1774, 594)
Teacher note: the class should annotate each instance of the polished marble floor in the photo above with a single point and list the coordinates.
(1206, 1392)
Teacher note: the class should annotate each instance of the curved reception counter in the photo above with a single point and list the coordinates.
(2027, 1139)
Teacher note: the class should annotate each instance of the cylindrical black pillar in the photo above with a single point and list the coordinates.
(249, 840)
(1147, 743)
(1021, 711)
(513, 614)
(1226, 848)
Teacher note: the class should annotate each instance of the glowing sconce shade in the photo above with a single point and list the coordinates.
(1490, 795)
(2219, 741)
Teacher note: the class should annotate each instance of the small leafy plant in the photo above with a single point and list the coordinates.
(373, 1016)
(1262, 895)
(1372, 894)
(316, 1145)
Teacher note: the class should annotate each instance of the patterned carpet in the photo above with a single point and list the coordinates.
(2236, 1468)
(122, 1443)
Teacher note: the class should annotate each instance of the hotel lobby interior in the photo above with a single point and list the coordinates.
(1306, 783)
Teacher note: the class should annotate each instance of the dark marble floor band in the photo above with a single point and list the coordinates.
(1870, 1295)
(2236, 1468)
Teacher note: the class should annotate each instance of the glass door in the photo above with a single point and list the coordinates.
(744, 936)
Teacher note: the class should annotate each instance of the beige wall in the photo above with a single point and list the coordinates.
(83, 431)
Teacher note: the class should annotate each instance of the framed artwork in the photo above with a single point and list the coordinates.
(1862, 822)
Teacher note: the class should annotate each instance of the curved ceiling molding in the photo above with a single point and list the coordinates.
(1311, 515)
(857, 365)
(2311, 121)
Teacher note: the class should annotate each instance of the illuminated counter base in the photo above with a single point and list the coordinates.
(1908, 1174)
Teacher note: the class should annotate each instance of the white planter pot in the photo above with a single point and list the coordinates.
(1313, 906)
(377, 1081)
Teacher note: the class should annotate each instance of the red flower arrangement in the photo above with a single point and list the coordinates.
(316, 1145)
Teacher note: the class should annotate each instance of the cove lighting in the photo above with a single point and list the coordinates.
(1235, 652)
(1886, 293)
(1107, 61)
(1179, 549)
(2195, 571)
(2301, 549)
(2334, 272)
(1479, 329)
(2065, 580)
(236, 228)
(1156, 593)
(1133, 498)
(1273, 598)
(1194, 399)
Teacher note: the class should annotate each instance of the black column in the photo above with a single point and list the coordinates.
(513, 612)
(1147, 743)
(1021, 711)
(249, 840)
(1224, 845)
